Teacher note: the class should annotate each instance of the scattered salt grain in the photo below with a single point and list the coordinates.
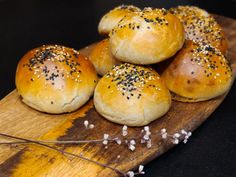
(131, 147)
(140, 169)
(91, 126)
(130, 174)
(86, 123)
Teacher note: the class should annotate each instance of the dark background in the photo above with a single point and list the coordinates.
(211, 151)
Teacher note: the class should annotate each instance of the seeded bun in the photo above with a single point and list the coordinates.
(110, 20)
(55, 79)
(131, 95)
(147, 37)
(199, 72)
(101, 57)
(200, 26)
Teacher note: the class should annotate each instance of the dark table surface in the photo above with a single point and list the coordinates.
(25, 24)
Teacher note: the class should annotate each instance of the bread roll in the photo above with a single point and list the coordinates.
(131, 95)
(101, 57)
(147, 37)
(199, 72)
(55, 79)
(110, 20)
(200, 26)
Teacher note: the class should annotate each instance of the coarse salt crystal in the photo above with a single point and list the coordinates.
(105, 136)
(125, 128)
(146, 128)
(86, 123)
(105, 142)
(132, 147)
(124, 133)
(91, 126)
(163, 130)
(140, 168)
(130, 174)
(118, 141)
(132, 142)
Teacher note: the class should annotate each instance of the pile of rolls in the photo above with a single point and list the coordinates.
(56, 79)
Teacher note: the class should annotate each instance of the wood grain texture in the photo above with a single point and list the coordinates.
(18, 119)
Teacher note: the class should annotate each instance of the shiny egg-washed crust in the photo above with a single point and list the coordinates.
(101, 57)
(111, 19)
(199, 72)
(131, 95)
(200, 26)
(55, 79)
(147, 37)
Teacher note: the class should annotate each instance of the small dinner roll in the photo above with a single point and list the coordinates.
(199, 72)
(131, 95)
(200, 26)
(55, 79)
(147, 37)
(110, 19)
(101, 57)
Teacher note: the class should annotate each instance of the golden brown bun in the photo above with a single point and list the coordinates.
(101, 57)
(131, 95)
(199, 72)
(110, 20)
(200, 26)
(147, 37)
(55, 79)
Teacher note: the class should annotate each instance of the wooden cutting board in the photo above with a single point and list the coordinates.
(32, 160)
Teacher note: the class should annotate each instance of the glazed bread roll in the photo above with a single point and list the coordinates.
(198, 73)
(55, 79)
(110, 20)
(131, 95)
(147, 37)
(200, 26)
(101, 57)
